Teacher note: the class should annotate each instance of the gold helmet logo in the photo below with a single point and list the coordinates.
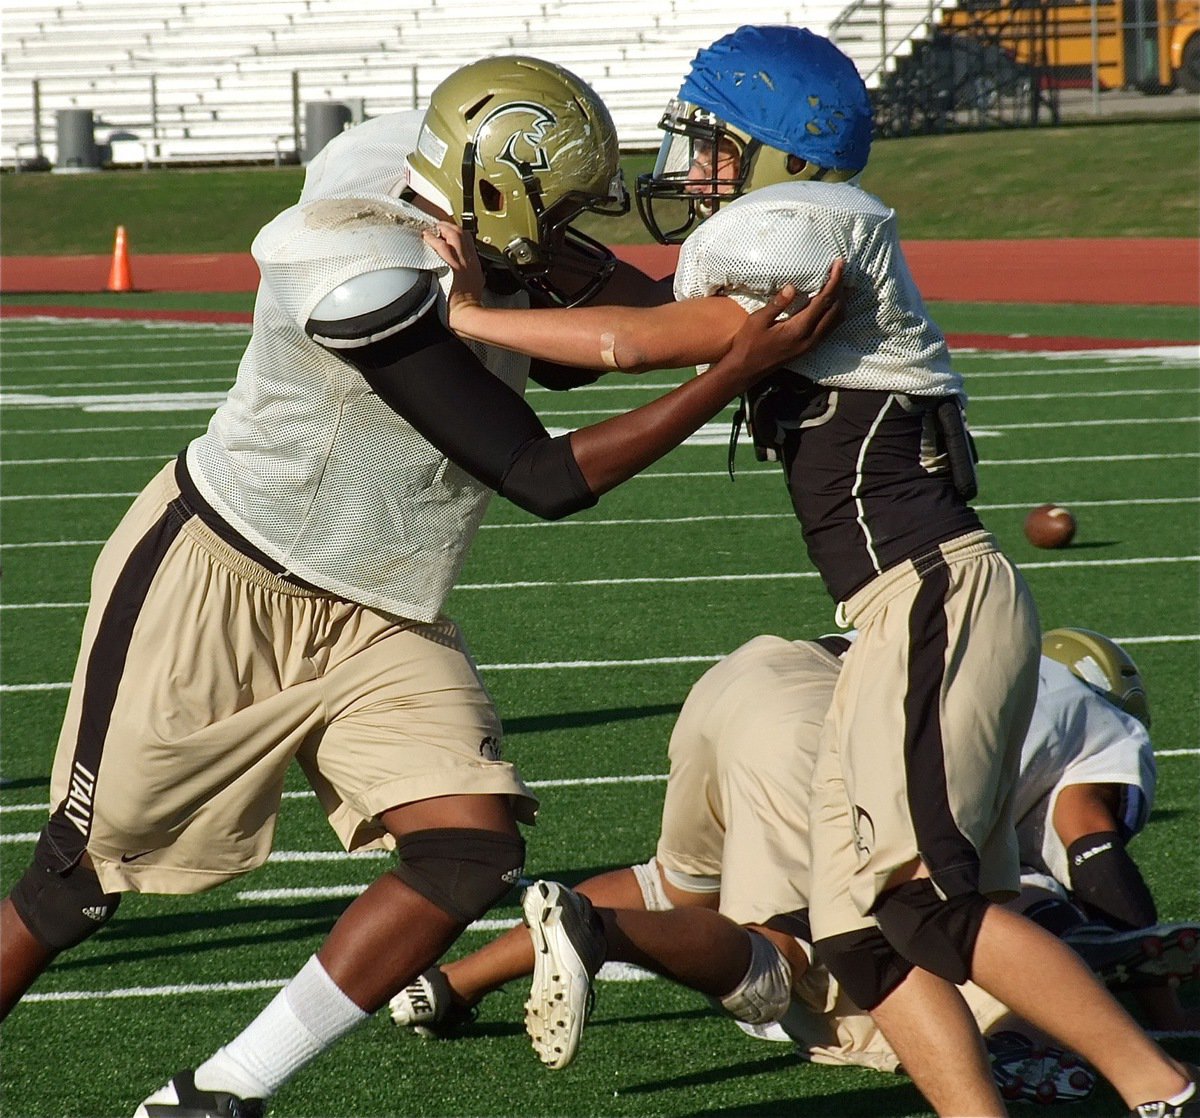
(528, 125)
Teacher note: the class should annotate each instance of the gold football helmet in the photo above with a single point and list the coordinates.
(1103, 665)
(514, 149)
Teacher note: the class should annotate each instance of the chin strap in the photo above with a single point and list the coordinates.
(469, 221)
(739, 417)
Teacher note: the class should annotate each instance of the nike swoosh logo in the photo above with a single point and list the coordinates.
(135, 857)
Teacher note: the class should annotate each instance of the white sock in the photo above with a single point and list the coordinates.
(302, 1020)
(1183, 1096)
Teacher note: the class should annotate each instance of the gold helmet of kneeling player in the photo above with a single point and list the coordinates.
(514, 149)
(1103, 665)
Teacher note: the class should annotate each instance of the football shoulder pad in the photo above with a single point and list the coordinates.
(372, 306)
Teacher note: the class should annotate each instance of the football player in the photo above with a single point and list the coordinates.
(735, 836)
(913, 838)
(276, 593)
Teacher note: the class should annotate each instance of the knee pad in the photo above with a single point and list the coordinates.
(61, 909)
(654, 896)
(934, 934)
(462, 870)
(867, 967)
(763, 994)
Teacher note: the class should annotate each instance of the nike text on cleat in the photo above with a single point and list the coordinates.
(427, 1006)
(568, 948)
(1040, 1073)
(1162, 955)
(181, 1098)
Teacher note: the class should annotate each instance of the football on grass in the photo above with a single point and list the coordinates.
(1050, 526)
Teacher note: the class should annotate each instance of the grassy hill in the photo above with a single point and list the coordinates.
(1100, 180)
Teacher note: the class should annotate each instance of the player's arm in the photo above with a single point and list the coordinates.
(629, 338)
(1105, 880)
(387, 327)
(628, 286)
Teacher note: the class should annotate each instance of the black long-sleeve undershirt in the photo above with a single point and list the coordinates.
(429, 376)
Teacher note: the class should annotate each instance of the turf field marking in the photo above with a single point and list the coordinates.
(984, 429)
(1133, 502)
(194, 401)
(977, 398)
(228, 367)
(666, 580)
(145, 345)
(139, 427)
(1181, 351)
(649, 475)
(342, 856)
(221, 378)
(116, 402)
(609, 972)
(69, 496)
(304, 794)
(29, 330)
(1109, 368)
(606, 412)
(81, 460)
(711, 434)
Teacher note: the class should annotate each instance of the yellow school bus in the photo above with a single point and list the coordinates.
(1151, 45)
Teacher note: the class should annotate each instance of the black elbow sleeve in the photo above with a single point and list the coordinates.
(1107, 883)
(544, 479)
(428, 376)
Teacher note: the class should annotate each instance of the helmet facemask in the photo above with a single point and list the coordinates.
(688, 184)
(701, 163)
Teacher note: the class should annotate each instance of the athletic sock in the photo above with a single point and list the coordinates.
(302, 1020)
(1183, 1096)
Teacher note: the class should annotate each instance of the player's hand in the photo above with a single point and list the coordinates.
(766, 341)
(457, 248)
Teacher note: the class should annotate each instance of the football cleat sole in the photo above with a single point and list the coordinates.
(1026, 1071)
(1163, 955)
(568, 950)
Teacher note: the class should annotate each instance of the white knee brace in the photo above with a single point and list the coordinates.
(764, 993)
(650, 883)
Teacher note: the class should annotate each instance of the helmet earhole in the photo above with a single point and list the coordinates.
(492, 199)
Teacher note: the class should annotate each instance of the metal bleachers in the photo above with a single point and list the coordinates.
(227, 80)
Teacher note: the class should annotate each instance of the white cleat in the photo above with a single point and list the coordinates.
(568, 948)
(427, 1006)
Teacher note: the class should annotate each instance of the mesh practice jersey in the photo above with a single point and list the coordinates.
(302, 458)
(791, 233)
(1076, 737)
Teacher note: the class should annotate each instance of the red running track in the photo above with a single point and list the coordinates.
(1163, 271)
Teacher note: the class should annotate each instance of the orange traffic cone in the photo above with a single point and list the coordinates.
(120, 277)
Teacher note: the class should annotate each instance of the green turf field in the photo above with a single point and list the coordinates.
(589, 633)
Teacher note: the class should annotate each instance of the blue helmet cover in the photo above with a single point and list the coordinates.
(788, 88)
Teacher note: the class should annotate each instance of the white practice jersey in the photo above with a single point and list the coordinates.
(1076, 737)
(791, 233)
(302, 458)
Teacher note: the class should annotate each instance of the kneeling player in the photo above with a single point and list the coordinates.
(734, 838)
